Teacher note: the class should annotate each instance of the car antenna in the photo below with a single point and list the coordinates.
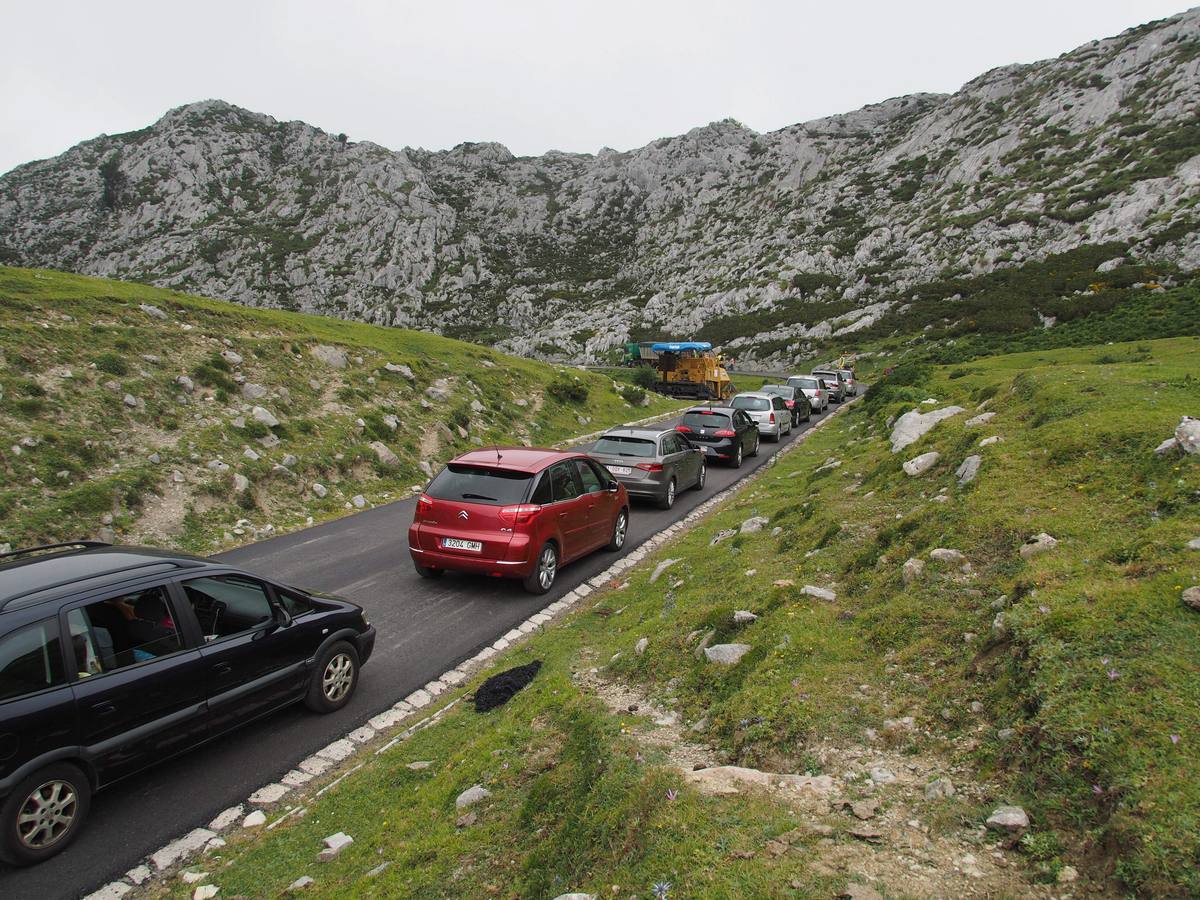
(496, 448)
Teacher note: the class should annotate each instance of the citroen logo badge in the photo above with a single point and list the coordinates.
(462, 514)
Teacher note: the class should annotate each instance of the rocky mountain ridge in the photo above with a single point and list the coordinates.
(769, 243)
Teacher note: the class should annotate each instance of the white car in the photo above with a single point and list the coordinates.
(818, 397)
(768, 410)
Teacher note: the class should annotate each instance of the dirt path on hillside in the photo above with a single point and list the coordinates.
(865, 817)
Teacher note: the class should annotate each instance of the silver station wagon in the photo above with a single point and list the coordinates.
(652, 464)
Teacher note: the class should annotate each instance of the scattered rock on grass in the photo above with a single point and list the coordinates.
(913, 425)
(1187, 433)
(819, 593)
(1008, 818)
(966, 472)
(334, 844)
(743, 617)
(939, 789)
(913, 570)
(726, 654)
(331, 356)
(1191, 598)
(640, 647)
(1039, 543)
(660, 568)
(945, 555)
(753, 524)
(385, 456)
(919, 465)
(721, 536)
(320, 490)
(1170, 445)
(472, 795)
(300, 883)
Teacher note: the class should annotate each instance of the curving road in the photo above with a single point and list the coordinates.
(425, 627)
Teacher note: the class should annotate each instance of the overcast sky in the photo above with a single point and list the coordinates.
(530, 74)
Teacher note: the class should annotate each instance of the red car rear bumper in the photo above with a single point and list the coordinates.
(518, 562)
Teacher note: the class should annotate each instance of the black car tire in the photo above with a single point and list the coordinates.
(736, 462)
(667, 500)
(17, 852)
(428, 571)
(620, 531)
(334, 678)
(534, 582)
(757, 441)
(699, 485)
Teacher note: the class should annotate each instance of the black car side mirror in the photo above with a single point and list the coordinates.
(613, 487)
(280, 618)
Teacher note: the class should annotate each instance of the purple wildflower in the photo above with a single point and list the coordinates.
(1174, 739)
(1097, 790)
(1104, 660)
(1113, 674)
(1043, 609)
(672, 793)
(660, 889)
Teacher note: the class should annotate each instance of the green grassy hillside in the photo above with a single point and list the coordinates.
(99, 429)
(1066, 682)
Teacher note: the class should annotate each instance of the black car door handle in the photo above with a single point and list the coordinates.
(104, 708)
(222, 668)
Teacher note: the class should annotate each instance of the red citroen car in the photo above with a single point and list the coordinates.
(516, 512)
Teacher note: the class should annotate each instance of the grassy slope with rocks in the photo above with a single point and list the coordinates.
(1082, 704)
(76, 453)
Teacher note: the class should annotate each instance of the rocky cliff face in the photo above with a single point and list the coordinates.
(766, 242)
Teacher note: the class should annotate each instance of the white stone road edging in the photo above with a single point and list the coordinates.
(208, 839)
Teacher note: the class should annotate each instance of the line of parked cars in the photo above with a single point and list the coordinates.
(114, 658)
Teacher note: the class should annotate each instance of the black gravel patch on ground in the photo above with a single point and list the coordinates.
(501, 688)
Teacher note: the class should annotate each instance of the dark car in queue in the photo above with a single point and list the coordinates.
(651, 464)
(793, 398)
(723, 433)
(116, 658)
(516, 512)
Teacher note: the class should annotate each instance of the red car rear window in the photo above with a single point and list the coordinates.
(476, 484)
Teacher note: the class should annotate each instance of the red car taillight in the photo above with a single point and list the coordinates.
(424, 505)
(790, 403)
(683, 428)
(650, 467)
(725, 432)
(521, 514)
(772, 419)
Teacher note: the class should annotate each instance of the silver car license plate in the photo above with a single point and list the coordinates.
(620, 470)
(459, 544)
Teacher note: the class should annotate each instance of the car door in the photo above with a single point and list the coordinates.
(748, 429)
(570, 508)
(685, 464)
(598, 503)
(37, 706)
(251, 662)
(783, 415)
(139, 690)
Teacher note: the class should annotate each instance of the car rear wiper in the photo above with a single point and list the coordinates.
(478, 497)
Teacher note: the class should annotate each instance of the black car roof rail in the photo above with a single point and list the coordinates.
(13, 554)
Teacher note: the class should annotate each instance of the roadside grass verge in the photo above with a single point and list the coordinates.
(1088, 687)
(73, 348)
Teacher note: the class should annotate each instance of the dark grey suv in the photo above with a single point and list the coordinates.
(115, 658)
(652, 464)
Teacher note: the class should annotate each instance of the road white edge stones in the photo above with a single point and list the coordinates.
(354, 741)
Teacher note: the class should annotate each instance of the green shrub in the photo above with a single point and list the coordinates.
(112, 363)
(633, 395)
(645, 376)
(568, 390)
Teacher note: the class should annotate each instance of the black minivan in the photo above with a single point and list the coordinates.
(115, 658)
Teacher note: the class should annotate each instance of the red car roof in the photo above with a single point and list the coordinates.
(521, 459)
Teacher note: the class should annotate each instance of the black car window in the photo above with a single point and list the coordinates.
(670, 444)
(742, 420)
(294, 603)
(755, 403)
(226, 605)
(706, 420)
(30, 660)
(591, 481)
(565, 482)
(543, 493)
(479, 484)
(122, 631)
(778, 403)
(613, 445)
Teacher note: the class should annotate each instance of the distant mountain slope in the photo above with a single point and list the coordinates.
(781, 239)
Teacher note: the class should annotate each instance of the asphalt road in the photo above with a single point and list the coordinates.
(425, 627)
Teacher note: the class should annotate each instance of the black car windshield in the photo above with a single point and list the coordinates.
(479, 485)
(698, 420)
(804, 383)
(611, 445)
(758, 403)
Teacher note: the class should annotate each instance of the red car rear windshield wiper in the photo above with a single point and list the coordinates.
(478, 497)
